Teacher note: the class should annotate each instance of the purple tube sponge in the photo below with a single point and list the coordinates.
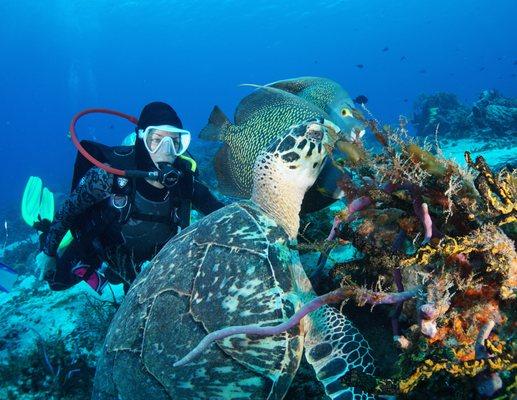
(362, 296)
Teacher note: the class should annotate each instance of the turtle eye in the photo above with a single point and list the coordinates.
(346, 112)
(315, 132)
(316, 135)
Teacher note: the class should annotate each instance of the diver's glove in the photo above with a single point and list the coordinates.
(46, 265)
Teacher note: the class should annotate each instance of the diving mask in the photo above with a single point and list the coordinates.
(165, 139)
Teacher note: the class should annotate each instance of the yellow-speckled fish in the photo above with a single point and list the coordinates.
(264, 115)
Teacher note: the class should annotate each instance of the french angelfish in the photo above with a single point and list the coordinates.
(325, 94)
(264, 115)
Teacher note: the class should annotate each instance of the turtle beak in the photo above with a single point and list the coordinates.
(334, 134)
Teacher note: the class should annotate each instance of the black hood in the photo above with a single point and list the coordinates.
(155, 113)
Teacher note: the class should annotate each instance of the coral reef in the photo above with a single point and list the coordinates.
(441, 108)
(49, 341)
(444, 233)
(492, 115)
(495, 112)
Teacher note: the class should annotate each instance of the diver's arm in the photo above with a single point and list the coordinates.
(203, 200)
(94, 187)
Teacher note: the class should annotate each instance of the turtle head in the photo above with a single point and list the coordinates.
(289, 166)
(298, 155)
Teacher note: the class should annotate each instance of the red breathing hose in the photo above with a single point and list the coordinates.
(83, 151)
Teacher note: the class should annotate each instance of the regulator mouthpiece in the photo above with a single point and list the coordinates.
(168, 176)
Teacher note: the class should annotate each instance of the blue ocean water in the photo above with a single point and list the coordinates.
(60, 56)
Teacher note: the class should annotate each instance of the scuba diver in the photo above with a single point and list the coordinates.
(120, 222)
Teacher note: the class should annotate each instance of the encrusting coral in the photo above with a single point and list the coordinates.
(465, 266)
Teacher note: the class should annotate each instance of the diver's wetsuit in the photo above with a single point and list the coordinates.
(100, 236)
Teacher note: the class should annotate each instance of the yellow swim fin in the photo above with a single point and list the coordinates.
(38, 204)
(66, 240)
(31, 200)
(46, 208)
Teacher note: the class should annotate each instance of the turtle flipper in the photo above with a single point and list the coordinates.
(334, 347)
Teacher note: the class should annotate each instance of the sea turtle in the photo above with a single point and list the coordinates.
(237, 266)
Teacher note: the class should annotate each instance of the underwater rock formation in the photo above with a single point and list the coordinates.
(441, 108)
(495, 112)
(492, 115)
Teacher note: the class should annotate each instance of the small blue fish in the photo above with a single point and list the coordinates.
(7, 278)
(361, 99)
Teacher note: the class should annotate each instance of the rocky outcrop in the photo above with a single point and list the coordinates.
(491, 116)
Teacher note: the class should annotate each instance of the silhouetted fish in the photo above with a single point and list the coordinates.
(386, 48)
(361, 99)
(403, 58)
(359, 65)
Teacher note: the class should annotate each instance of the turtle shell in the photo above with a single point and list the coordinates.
(230, 268)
